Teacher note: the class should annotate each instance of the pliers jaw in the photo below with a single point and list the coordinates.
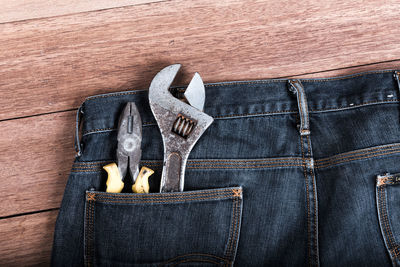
(129, 141)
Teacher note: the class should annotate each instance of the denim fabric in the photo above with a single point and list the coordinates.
(291, 173)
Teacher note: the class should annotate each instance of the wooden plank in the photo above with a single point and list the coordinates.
(33, 9)
(27, 240)
(52, 64)
(36, 156)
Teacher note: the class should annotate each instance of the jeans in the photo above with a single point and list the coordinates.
(291, 172)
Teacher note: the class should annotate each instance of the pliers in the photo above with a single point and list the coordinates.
(128, 154)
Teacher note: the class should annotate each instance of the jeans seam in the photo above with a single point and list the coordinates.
(140, 198)
(315, 206)
(237, 229)
(353, 159)
(172, 195)
(307, 202)
(355, 106)
(231, 231)
(161, 200)
(260, 166)
(199, 161)
(233, 239)
(392, 242)
(360, 152)
(75, 170)
(90, 225)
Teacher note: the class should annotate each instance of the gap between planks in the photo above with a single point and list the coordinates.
(18, 10)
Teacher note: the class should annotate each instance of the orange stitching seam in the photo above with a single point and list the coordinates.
(358, 155)
(92, 232)
(247, 167)
(170, 195)
(234, 244)
(161, 198)
(225, 167)
(169, 201)
(393, 243)
(385, 225)
(244, 160)
(360, 151)
(235, 204)
(374, 155)
(210, 161)
(231, 231)
(86, 235)
(206, 165)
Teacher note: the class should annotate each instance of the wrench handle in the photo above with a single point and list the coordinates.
(173, 174)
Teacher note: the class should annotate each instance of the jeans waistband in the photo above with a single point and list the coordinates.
(228, 100)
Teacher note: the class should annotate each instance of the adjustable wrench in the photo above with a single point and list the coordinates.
(181, 124)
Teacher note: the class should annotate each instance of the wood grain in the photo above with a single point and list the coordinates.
(36, 156)
(32, 9)
(27, 240)
(51, 64)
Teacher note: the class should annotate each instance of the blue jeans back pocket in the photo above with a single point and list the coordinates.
(388, 205)
(163, 229)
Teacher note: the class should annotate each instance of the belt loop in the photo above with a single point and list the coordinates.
(396, 76)
(77, 126)
(297, 88)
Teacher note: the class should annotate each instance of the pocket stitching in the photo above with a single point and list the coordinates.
(234, 193)
(189, 196)
(233, 237)
(394, 248)
(386, 221)
(89, 253)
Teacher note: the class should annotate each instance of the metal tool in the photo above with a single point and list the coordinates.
(128, 153)
(181, 124)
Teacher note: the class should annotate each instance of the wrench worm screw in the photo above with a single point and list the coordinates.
(183, 126)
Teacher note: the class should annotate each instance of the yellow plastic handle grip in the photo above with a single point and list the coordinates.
(142, 181)
(114, 182)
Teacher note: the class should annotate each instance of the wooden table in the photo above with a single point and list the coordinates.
(55, 53)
